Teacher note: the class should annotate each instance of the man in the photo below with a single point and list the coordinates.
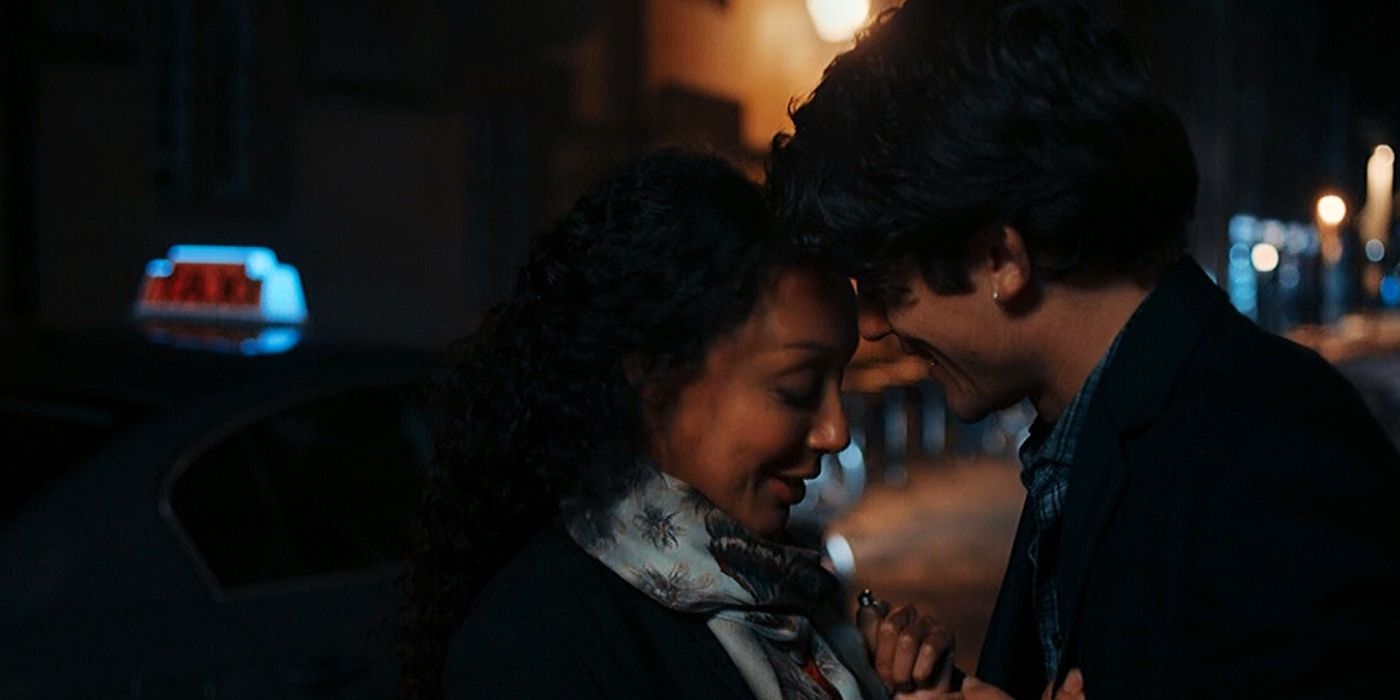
(1210, 508)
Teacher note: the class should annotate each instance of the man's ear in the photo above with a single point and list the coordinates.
(1009, 265)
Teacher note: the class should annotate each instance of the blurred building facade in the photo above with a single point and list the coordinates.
(401, 153)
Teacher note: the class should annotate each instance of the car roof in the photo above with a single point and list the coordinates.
(123, 365)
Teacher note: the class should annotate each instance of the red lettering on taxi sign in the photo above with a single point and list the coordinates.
(214, 284)
(221, 284)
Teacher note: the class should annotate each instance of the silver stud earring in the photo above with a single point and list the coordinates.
(996, 296)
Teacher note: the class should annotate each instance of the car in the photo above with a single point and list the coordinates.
(214, 510)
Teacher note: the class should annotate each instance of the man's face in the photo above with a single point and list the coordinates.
(966, 338)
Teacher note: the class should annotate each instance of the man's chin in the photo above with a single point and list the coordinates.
(967, 412)
(970, 417)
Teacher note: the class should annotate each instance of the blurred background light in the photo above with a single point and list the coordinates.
(838, 20)
(1265, 257)
(1243, 228)
(1382, 161)
(1331, 209)
(843, 559)
(1380, 184)
(1390, 290)
(1239, 255)
(1375, 250)
(1299, 239)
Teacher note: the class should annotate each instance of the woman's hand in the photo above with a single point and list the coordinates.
(911, 653)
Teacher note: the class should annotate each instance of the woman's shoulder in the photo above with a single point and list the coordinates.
(525, 633)
(544, 582)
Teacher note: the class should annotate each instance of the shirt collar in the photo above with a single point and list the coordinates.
(1056, 442)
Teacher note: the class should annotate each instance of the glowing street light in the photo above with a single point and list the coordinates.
(1331, 212)
(838, 20)
(1331, 209)
(1380, 167)
(1380, 183)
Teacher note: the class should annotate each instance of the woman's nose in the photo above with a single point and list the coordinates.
(830, 433)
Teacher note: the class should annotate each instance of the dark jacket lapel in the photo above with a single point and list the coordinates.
(703, 669)
(719, 667)
(1096, 481)
(1135, 386)
(1011, 656)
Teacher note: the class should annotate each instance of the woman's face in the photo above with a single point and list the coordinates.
(766, 405)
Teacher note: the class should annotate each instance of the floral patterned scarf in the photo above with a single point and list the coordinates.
(686, 554)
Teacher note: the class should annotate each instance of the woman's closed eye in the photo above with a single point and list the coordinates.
(805, 394)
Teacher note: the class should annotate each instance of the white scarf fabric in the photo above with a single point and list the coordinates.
(675, 546)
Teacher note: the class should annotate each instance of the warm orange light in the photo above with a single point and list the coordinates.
(838, 20)
(1331, 209)
(1375, 216)
(1384, 158)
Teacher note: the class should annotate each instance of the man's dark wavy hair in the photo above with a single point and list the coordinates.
(950, 118)
(630, 289)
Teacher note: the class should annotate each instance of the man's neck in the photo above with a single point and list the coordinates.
(1079, 327)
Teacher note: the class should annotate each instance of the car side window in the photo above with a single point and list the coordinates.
(323, 487)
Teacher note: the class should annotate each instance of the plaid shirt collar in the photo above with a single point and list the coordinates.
(1045, 461)
(1063, 439)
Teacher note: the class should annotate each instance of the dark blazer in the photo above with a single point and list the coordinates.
(555, 623)
(1230, 528)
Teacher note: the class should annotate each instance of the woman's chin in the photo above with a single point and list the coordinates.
(774, 525)
(768, 523)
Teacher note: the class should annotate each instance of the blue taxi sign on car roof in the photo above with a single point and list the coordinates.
(235, 299)
(246, 284)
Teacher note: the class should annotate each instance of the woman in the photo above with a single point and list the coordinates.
(629, 430)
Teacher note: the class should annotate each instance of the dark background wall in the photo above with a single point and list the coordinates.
(401, 153)
(1283, 99)
(397, 153)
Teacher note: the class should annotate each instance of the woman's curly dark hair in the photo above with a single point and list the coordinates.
(543, 406)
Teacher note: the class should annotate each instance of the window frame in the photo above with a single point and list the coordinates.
(226, 429)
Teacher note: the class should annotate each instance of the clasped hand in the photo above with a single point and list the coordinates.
(913, 656)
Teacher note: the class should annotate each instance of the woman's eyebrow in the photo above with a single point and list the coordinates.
(812, 345)
(814, 356)
(812, 365)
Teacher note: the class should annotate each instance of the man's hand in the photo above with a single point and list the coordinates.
(911, 652)
(974, 689)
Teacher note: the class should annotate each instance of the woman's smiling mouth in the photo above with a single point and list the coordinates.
(789, 490)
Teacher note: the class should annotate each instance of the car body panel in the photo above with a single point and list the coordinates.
(105, 592)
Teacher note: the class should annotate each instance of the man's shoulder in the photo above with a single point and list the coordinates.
(1233, 345)
(1250, 398)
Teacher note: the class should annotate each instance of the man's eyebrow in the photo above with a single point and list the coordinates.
(881, 286)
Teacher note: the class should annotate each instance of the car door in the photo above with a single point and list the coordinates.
(295, 518)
